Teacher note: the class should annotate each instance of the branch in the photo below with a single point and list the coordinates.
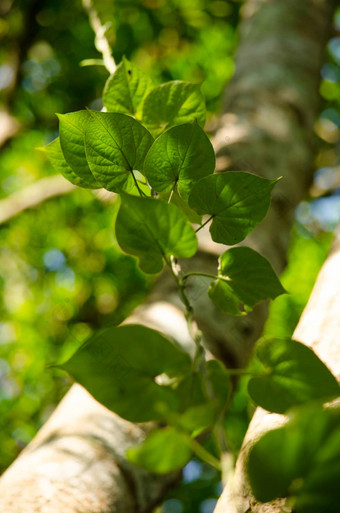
(33, 195)
(101, 42)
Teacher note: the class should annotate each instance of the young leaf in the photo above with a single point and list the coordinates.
(153, 230)
(294, 375)
(72, 128)
(235, 201)
(118, 366)
(126, 89)
(178, 158)
(195, 419)
(164, 450)
(245, 277)
(300, 460)
(57, 159)
(173, 103)
(116, 145)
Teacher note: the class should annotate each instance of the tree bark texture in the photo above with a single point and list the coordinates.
(76, 463)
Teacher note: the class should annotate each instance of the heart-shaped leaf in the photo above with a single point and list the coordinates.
(116, 145)
(164, 450)
(178, 158)
(300, 460)
(293, 375)
(118, 366)
(235, 201)
(56, 157)
(126, 89)
(153, 230)
(245, 277)
(72, 128)
(173, 103)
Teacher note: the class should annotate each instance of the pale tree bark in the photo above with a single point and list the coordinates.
(76, 463)
(318, 328)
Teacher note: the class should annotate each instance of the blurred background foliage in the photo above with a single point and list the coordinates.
(61, 272)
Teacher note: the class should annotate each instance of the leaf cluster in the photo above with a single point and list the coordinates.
(150, 149)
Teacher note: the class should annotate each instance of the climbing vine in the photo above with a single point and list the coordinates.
(148, 147)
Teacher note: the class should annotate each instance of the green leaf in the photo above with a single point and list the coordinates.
(126, 89)
(294, 375)
(236, 202)
(153, 230)
(72, 128)
(118, 366)
(178, 158)
(163, 451)
(196, 419)
(173, 103)
(57, 159)
(116, 145)
(245, 277)
(300, 460)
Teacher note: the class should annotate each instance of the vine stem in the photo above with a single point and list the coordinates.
(194, 332)
(101, 42)
(198, 364)
(205, 455)
(206, 275)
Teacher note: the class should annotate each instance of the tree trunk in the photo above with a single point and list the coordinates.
(76, 463)
(318, 328)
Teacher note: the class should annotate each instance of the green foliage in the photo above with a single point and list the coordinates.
(236, 202)
(306, 252)
(154, 231)
(243, 276)
(57, 159)
(48, 312)
(300, 460)
(171, 443)
(62, 276)
(178, 158)
(72, 133)
(116, 364)
(293, 375)
(115, 145)
(173, 103)
(126, 89)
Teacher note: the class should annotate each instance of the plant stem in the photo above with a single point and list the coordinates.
(205, 455)
(206, 222)
(194, 332)
(206, 275)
